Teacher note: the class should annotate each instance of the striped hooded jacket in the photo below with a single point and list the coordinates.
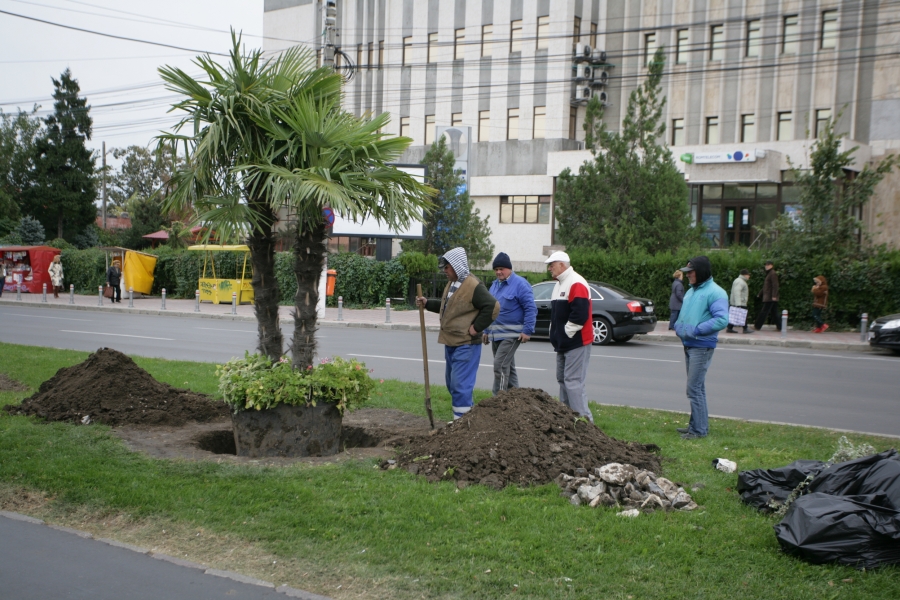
(570, 312)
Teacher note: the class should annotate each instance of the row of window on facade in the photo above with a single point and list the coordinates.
(788, 42)
(538, 125)
(784, 128)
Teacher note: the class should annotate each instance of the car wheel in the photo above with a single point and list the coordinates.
(602, 331)
(623, 339)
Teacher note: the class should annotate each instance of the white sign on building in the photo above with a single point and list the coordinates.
(701, 158)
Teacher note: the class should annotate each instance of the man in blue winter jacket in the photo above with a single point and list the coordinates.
(513, 326)
(703, 314)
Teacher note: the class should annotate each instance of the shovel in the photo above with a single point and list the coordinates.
(425, 357)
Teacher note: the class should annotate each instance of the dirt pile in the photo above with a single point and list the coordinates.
(8, 384)
(520, 437)
(110, 388)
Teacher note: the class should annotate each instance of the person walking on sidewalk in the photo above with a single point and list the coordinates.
(769, 295)
(820, 302)
(513, 326)
(571, 332)
(2, 276)
(675, 298)
(56, 275)
(740, 295)
(704, 314)
(113, 279)
(466, 310)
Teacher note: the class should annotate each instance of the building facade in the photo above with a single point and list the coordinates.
(754, 79)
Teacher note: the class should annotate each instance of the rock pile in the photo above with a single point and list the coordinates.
(626, 486)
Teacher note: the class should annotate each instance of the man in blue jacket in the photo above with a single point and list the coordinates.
(513, 326)
(703, 314)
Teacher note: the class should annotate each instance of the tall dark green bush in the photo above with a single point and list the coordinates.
(367, 282)
(85, 269)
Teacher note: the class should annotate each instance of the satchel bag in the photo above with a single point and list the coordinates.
(107, 291)
(737, 316)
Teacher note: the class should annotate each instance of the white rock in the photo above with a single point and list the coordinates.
(681, 500)
(725, 465)
(616, 474)
(633, 512)
(575, 500)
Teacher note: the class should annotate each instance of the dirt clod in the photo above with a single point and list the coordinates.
(520, 437)
(111, 389)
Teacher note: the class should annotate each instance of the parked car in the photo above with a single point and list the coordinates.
(616, 314)
(884, 332)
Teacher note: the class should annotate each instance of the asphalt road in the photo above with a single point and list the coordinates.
(839, 390)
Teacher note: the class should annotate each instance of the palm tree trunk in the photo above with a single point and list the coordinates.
(309, 259)
(265, 285)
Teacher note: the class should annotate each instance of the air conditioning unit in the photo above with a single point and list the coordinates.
(598, 56)
(603, 97)
(600, 77)
(583, 52)
(583, 73)
(583, 93)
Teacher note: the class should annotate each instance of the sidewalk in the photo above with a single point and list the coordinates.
(408, 320)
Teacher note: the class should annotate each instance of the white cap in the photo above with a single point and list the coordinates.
(558, 256)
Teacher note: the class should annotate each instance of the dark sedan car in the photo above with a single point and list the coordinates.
(616, 314)
(884, 332)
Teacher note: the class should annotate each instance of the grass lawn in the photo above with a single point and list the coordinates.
(350, 530)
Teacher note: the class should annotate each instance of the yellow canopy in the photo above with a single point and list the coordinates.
(138, 271)
(220, 248)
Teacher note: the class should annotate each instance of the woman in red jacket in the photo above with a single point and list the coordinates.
(820, 302)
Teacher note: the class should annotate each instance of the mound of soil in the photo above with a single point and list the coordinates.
(519, 437)
(111, 389)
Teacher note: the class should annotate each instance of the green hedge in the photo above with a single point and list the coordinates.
(367, 282)
(85, 269)
(856, 287)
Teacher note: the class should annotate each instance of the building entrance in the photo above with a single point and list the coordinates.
(738, 225)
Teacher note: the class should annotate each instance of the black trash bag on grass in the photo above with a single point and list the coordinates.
(759, 487)
(859, 531)
(875, 474)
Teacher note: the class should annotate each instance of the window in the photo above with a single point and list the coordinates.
(785, 127)
(593, 35)
(381, 54)
(456, 119)
(512, 124)
(543, 32)
(432, 47)
(649, 48)
(459, 47)
(407, 50)
(678, 132)
(429, 130)
(484, 124)
(790, 41)
(576, 31)
(371, 56)
(404, 126)
(487, 38)
(822, 118)
(681, 47)
(829, 30)
(717, 42)
(539, 131)
(712, 130)
(525, 209)
(573, 122)
(754, 39)
(748, 129)
(515, 36)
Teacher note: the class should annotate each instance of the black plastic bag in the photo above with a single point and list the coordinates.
(878, 473)
(860, 531)
(761, 486)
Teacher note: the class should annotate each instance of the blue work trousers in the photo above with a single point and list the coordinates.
(461, 370)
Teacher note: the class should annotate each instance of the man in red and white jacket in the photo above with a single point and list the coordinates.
(571, 332)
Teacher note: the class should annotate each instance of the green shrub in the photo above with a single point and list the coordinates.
(255, 382)
(418, 264)
(367, 282)
(85, 269)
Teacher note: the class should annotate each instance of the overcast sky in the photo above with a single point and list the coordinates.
(117, 76)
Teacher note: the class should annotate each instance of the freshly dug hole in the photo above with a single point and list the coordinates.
(520, 437)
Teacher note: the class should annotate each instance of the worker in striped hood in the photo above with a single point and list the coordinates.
(466, 309)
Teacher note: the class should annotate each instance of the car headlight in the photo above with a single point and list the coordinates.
(892, 324)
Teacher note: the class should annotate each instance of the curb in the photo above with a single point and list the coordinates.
(283, 589)
(786, 343)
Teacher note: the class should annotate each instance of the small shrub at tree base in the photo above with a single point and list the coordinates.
(256, 383)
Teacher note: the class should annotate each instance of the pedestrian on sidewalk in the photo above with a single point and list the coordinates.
(769, 295)
(740, 295)
(113, 279)
(56, 275)
(2, 276)
(513, 326)
(820, 302)
(466, 310)
(676, 298)
(704, 314)
(571, 332)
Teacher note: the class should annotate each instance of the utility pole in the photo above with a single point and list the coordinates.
(329, 28)
(103, 188)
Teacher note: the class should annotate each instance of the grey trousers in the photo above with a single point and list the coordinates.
(571, 372)
(505, 376)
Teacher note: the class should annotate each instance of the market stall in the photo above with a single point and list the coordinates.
(137, 268)
(28, 266)
(216, 289)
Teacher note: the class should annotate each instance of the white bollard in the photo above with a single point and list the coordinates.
(44, 293)
(340, 308)
(197, 299)
(784, 316)
(131, 297)
(387, 310)
(864, 328)
(234, 303)
(18, 292)
(99, 295)
(71, 293)
(163, 307)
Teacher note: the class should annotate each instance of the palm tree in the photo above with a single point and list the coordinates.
(222, 138)
(324, 157)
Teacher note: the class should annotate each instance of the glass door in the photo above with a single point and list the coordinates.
(738, 225)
